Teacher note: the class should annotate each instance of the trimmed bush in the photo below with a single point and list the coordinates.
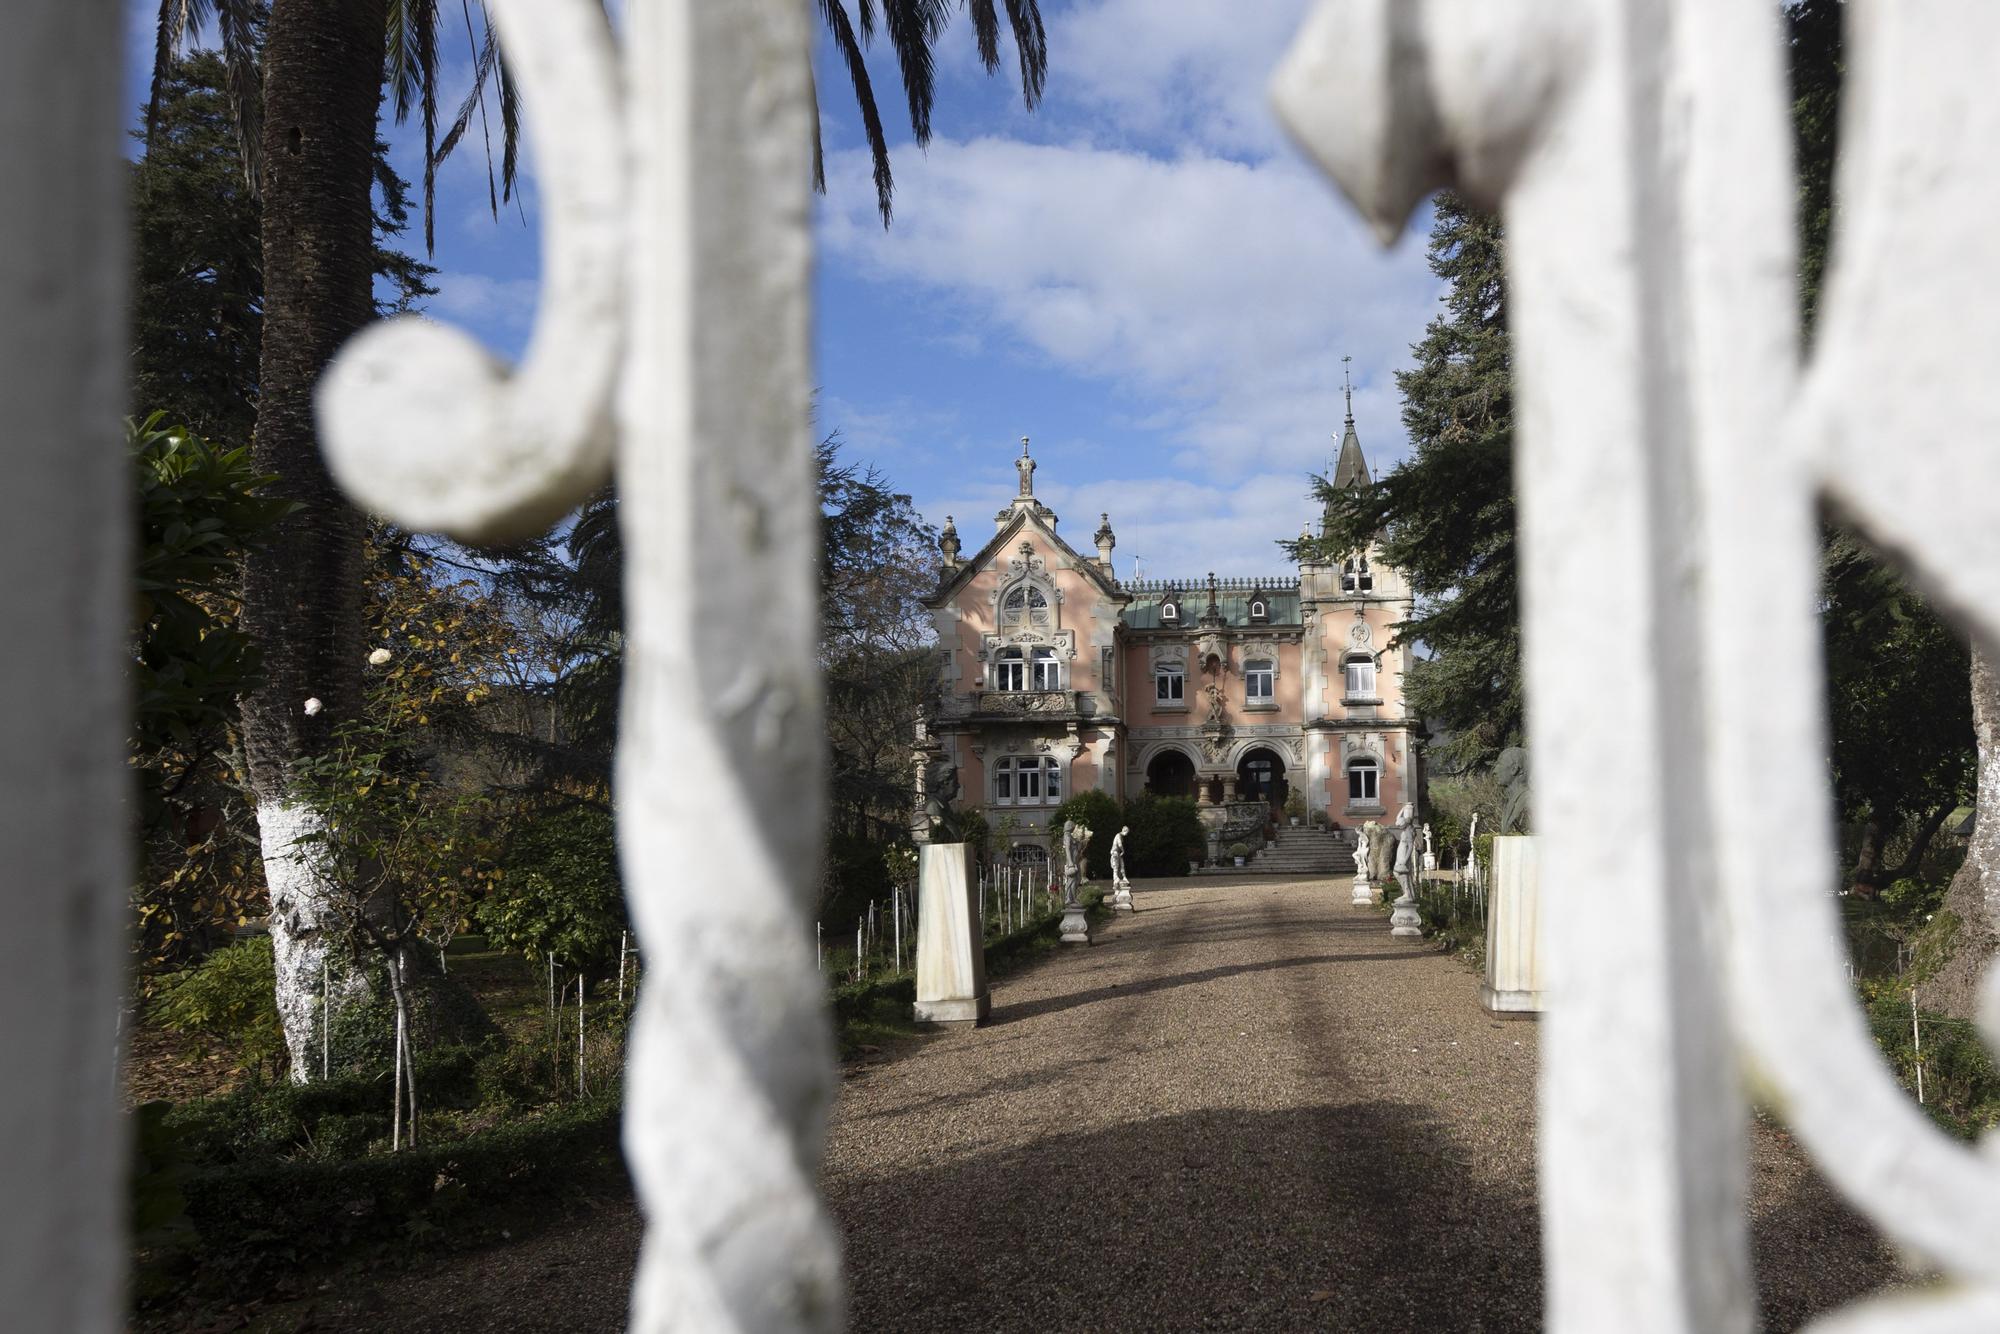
(228, 998)
(1163, 830)
(1099, 813)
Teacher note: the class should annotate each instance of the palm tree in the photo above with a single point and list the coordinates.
(913, 27)
(311, 135)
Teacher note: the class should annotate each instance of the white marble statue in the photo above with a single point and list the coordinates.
(1361, 853)
(1121, 884)
(1075, 927)
(1430, 852)
(1364, 891)
(1404, 921)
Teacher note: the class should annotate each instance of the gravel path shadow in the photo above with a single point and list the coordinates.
(1244, 1108)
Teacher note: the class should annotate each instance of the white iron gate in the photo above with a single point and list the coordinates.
(1672, 451)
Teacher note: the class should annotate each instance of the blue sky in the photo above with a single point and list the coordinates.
(1142, 275)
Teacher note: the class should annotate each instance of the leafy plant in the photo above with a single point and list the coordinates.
(559, 892)
(1239, 850)
(228, 998)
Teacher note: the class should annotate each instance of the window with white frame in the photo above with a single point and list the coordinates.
(1043, 672)
(1169, 683)
(1259, 610)
(1170, 613)
(1010, 671)
(1024, 606)
(1259, 675)
(1363, 780)
(1028, 780)
(1361, 677)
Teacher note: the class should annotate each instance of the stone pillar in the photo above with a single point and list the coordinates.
(951, 958)
(1513, 928)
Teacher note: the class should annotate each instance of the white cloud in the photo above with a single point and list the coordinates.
(477, 299)
(1192, 71)
(1217, 296)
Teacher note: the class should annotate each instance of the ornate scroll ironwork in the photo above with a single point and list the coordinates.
(1668, 467)
(672, 335)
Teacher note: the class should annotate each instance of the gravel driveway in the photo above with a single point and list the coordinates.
(1247, 1107)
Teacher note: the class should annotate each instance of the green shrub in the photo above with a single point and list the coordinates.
(325, 1120)
(443, 1013)
(1099, 813)
(1164, 829)
(561, 893)
(1961, 1083)
(856, 876)
(257, 1218)
(229, 998)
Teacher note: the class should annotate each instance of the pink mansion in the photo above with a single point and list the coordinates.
(1058, 677)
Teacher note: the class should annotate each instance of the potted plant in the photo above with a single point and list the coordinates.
(1239, 851)
(1295, 808)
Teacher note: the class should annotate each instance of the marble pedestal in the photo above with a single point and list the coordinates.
(1121, 899)
(1405, 921)
(1366, 894)
(1075, 925)
(951, 957)
(1513, 983)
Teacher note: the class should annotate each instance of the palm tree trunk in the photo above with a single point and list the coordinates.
(302, 592)
(1974, 897)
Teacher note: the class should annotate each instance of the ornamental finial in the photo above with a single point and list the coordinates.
(1025, 466)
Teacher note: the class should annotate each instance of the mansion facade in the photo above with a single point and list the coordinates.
(1057, 677)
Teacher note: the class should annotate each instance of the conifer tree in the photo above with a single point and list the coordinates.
(1445, 516)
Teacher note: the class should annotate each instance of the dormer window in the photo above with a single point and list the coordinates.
(1260, 608)
(1170, 612)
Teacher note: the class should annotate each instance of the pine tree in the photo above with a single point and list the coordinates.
(1445, 516)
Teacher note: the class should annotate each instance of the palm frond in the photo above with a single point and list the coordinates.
(913, 27)
(986, 28)
(243, 84)
(1033, 43)
(176, 16)
(842, 31)
(483, 56)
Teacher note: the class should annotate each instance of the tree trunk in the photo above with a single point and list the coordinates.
(1867, 875)
(1974, 897)
(302, 591)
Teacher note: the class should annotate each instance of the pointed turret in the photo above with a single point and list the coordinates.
(1350, 469)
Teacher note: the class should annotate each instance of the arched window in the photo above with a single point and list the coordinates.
(1259, 676)
(1355, 577)
(1169, 683)
(1028, 780)
(1260, 610)
(1043, 671)
(1363, 780)
(1010, 671)
(1360, 676)
(1025, 607)
(1170, 612)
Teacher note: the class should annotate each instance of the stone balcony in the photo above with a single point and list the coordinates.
(1006, 705)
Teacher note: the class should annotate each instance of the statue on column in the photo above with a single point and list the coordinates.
(1075, 925)
(1025, 466)
(1121, 884)
(1404, 921)
(1430, 852)
(1365, 891)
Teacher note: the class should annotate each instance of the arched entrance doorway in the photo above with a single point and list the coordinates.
(1170, 774)
(1260, 775)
